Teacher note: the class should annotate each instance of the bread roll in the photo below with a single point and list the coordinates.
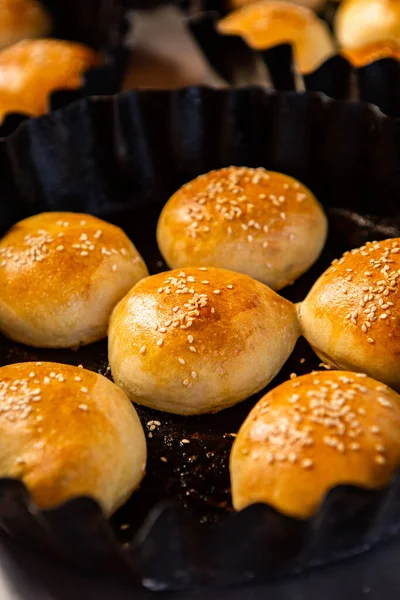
(69, 432)
(311, 434)
(360, 57)
(32, 69)
(351, 316)
(362, 22)
(269, 23)
(21, 19)
(199, 340)
(261, 223)
(61, 274)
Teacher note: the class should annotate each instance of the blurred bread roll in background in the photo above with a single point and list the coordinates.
(269, 23)
(261, 223)
(61, 274)
(68, 432)
(359, 23)
(22, 19)
(351, 316)
(311, 434)
(32, 69)
(313, 4)
(199, 340)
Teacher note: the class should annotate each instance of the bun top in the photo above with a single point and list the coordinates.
(268, 23)
(20, 19)
(360, 57)
(68, 432)
(313, 433)
(362, 22)
(38, 67)
(63, 251)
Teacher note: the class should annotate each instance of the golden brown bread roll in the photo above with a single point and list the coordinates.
(61, 275)
(264, 224)
(22, 19)
(360, 57)
(362, 22)
(69, 432)
(199, 340)
(351, 316)
(271, 22)
(32, 69)
(311, 434)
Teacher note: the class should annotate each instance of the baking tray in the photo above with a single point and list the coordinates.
(121, 158)
(232, 58)
(100, 24)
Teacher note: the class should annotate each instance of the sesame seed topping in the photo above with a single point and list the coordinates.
(160, 342)
(182, 361)
(185, 441)
(192, 349)
(142, 349)
(306, 463)
(84, 390)
(83, 407)
(216, 291)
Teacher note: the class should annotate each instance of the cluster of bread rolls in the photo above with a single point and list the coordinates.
(32, 67)
(365, 30)
(200, 338)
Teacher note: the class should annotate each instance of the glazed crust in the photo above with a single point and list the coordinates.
(264, 224)
(69, 432)
(197, 341)
(351, 316)
(61, 275)
(269, 23)
(311, 434)
(32, 69)
(362, 22)
(22, 19)
(360, 57)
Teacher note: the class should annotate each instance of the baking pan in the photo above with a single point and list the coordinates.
(121, 158)
(377, 83)
(100, 24)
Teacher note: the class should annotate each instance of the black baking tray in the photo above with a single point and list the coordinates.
(102, 25)
(121, 158)
(233, 59)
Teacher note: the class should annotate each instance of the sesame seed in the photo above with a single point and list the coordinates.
(142, 349)
(60, 248)
(185, 382)
(114, 268)
(370, 340)
(84, 390)
(185, 441)
(230, 286)
(216, 291)
(160, 342)
(384, 402)
(83, 407)
(78, 378)
(193, 374)
(306, 463)
(380, 460)
(163, 459)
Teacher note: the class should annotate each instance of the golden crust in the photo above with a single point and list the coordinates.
(264, 224)
(32, 69)
(311, 434)
(69, 432)
(61, 274)
(199, 340)
(360, 57)
(268, 23)
(21, 19)
(362, 22)
(351, 316)
(313, 4)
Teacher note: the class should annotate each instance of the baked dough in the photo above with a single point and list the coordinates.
(22, 19)
(362, 22)
(69, 432)
(199, 340)
(311, 434)
(269, 23)
(264, 224)
(61, 275)
(32, 69)
(351, 316)
(360, 57)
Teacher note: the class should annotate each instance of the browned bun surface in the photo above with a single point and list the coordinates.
(359, 23)
(261, 223)
(21, 19)
(359, 57)
(351, 316)
(32, 69)
(311, 434)
(61, 274)
(69, 432)
(268, 23)
(313, 4)
(199, 340)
